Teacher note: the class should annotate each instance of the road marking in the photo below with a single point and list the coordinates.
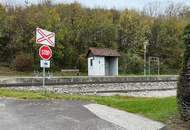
(123, 119)
(2, 105)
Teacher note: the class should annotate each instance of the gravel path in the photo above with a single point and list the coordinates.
(123, 119)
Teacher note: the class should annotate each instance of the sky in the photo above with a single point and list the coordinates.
(117, 4)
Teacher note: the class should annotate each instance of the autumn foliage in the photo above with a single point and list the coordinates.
(77, 28)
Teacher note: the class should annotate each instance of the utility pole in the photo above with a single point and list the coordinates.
(145, 45)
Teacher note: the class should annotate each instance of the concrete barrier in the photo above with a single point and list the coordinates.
(82, 80)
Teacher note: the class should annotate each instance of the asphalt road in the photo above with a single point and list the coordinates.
(49, 115)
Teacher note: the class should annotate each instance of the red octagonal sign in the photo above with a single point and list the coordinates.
(45, 52)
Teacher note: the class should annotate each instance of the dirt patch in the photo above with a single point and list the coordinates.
(177, 124)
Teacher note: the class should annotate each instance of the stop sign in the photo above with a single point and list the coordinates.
(45, 52)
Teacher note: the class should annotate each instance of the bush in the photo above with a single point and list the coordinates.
(83, 63)
(131, 63)
(23, 62)
(183, 91)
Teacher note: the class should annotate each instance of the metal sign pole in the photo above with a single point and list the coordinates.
(145, 45)
(158, 66)
(44, 74)
(144, 59)
(149, 65)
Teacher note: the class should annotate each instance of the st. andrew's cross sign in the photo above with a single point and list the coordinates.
(45, 37)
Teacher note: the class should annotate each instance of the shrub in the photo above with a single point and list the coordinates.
(131, 63)
(23, 62)
(82, 65)
(183, 91)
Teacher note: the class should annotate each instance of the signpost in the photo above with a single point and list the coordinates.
(47, 39)
(45, 53)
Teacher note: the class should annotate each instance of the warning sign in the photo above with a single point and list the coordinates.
(45, 37)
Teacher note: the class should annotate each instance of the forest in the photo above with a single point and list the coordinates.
(77, 28)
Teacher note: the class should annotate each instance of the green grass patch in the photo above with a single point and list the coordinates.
(160, 109)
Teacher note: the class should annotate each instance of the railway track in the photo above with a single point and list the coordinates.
(106, 85)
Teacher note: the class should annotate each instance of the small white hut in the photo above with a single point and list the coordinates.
(102, 62)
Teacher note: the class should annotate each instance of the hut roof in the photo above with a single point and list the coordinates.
(103, 52)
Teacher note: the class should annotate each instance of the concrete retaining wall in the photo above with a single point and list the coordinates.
(82, 80)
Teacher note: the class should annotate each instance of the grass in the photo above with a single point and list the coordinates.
(160, 109)
(6, 71)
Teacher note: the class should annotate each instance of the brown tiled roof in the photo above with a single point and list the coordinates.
(103, 52)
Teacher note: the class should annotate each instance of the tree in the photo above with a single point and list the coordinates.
(78, 28)
(133, 32)
(164, 42)
(183, 90)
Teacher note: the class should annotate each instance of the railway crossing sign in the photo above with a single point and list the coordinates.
(45, 52)
(45, 37)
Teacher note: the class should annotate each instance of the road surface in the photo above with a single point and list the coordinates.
(49, 115)
(68, 115)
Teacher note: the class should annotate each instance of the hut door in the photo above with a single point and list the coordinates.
(107, 66)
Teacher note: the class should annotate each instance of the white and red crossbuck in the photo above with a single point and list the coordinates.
(45, 37)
